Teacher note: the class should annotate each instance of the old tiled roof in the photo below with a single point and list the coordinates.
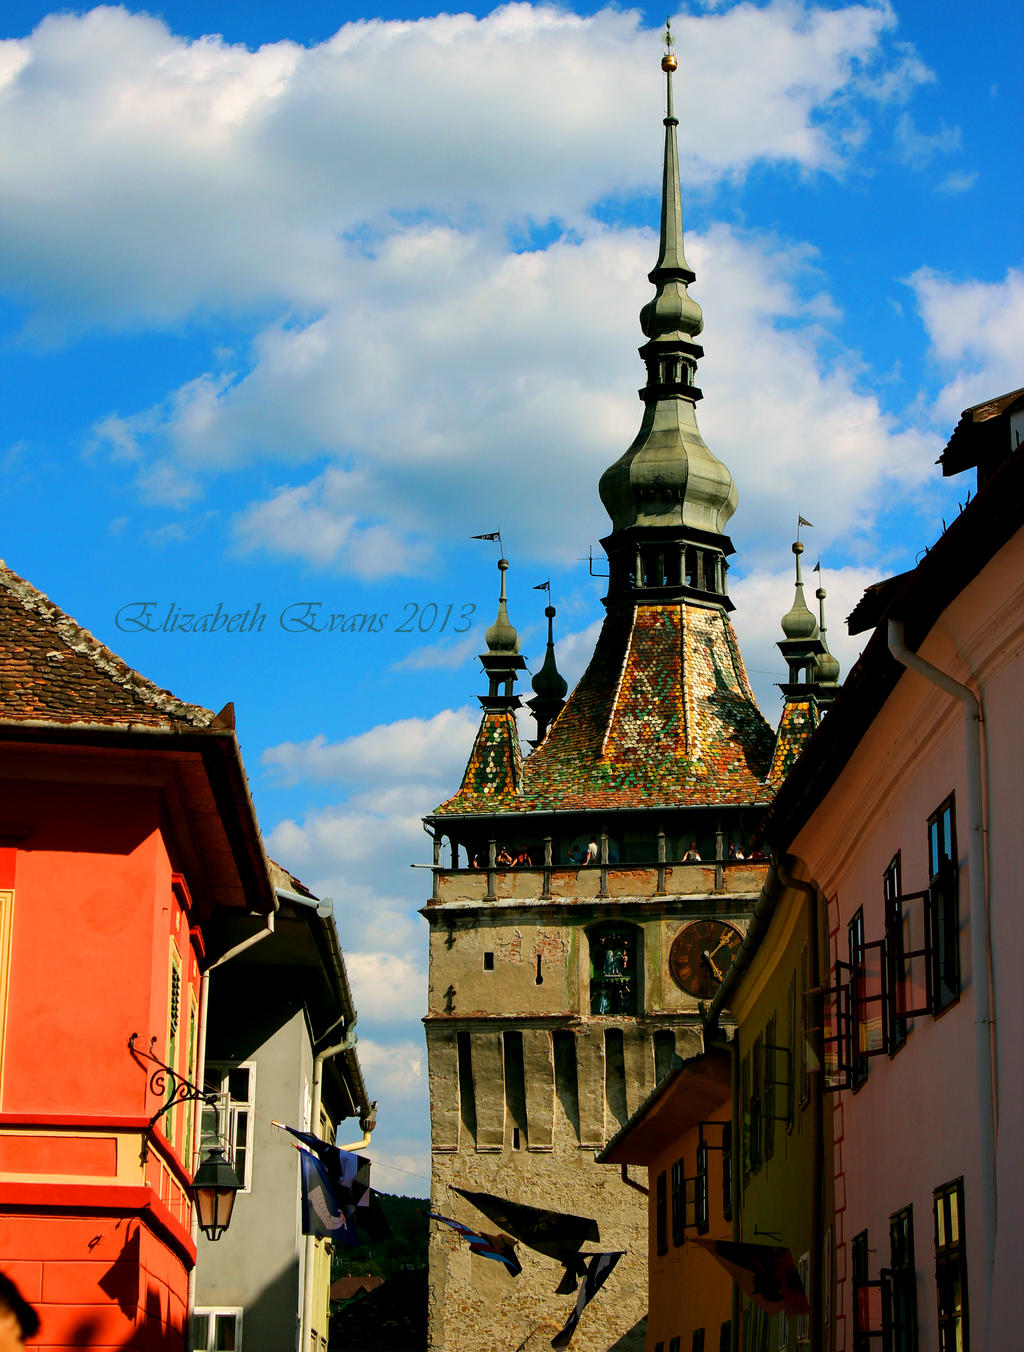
(495, 768)
(664, 714)
(54, 671)
(799, 719)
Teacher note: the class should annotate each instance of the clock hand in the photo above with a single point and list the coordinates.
(706, 957)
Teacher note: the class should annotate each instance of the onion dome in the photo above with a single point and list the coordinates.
(502, 637)
(799, 622)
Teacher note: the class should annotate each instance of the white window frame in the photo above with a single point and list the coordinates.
(218, 1073)
(211, 1312)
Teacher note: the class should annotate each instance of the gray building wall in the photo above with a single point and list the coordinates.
(257, 1263)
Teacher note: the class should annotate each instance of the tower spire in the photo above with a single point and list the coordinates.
(828, 667)
(501, 661)
(668, 497)
(550, 686)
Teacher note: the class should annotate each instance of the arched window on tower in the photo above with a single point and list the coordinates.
(614, 969)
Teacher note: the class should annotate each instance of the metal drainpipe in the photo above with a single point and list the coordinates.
(984, 1012)
(309, 1248)
(204, 1002)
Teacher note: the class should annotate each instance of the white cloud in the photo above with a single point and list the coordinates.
(960, 180)
(145, 177)
(524, 355)
(976, 333)
(387, 989)
(416, 749)
(918, 148)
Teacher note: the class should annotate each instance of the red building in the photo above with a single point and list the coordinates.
(130, 857)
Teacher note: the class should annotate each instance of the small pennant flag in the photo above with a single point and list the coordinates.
(817, 567)
(598, 1270)
(499, 1247)
(544, 586)
(494, 535)
(802, 521)
(764, 1272)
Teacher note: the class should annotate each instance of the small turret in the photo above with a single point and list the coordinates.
(549, 686)
(501, 661)
(798, 624)
(828, 667)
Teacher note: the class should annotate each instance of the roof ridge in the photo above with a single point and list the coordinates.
(613, 707)
(81, 641)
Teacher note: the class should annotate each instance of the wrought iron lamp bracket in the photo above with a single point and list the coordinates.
(161, 1078)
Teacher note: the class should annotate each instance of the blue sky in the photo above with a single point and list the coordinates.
(291, 311)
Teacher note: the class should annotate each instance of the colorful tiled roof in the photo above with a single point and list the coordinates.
(664, 714)
(495, 769)
(799, 719)
(54, 671)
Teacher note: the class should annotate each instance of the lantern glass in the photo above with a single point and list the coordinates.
(213, 1192)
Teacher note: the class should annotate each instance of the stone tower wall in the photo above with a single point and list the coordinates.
(525, 1086)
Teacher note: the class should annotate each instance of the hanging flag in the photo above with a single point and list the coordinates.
(599, 1269)
(348, 1174)
(764, 1272)
(802, 521)
(555, 1234)
(322, 1213)
(817, 567)
(544, 586)
(494, 535)
(499, 1247)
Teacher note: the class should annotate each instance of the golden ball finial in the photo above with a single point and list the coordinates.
(669, 62)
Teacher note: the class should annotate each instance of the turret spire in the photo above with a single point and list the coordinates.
(501, 661)
(668, 497)
(828, 667)
(550, 687)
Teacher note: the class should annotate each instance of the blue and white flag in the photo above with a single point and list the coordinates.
(322, 1213)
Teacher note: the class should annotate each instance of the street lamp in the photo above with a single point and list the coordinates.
(213, 1192)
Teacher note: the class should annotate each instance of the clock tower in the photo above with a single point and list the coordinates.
(563, 989)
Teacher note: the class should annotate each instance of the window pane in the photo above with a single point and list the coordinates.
(200, 1332)
(954, 1219)
(238, 1084)
(224, 1337)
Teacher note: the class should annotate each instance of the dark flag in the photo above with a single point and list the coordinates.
(764, 1272)
(598, 1270)
(498, 1247)
(322, 1213)
(494, 535)
(348, 1174)
(555, 1234)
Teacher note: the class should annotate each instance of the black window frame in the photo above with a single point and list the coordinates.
(944, 906)
(756, 1106)
(678, 1202)
(951, 1267)
(892, 891)
(855, 939)
(661, 1213)
(902, 1274)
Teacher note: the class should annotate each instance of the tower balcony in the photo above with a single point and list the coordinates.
(593, 882)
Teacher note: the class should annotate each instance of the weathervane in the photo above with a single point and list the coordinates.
(668, 61)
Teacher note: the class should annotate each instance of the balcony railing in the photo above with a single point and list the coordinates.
(597, 881)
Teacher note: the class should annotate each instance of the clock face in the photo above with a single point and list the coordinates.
(700, 956)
